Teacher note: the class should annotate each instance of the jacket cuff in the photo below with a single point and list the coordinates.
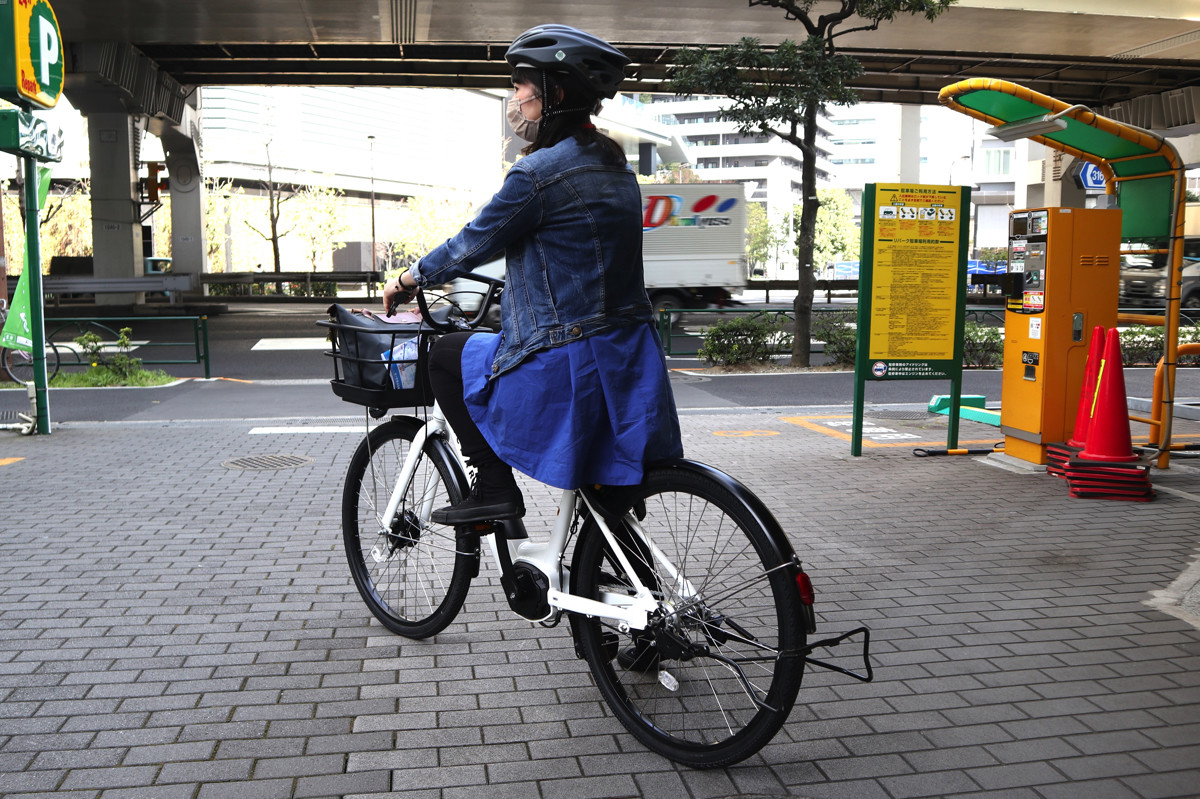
(415, 271)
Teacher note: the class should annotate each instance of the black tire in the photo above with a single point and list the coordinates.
(670, 301)
(412, 574)
(18, 365)
(701, 714)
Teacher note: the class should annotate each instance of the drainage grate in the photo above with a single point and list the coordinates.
(8, 416)
(265, 463)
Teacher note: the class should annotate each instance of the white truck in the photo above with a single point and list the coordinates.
(693, 246)
(693, 242)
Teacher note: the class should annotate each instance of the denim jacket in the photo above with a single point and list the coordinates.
(571, 230)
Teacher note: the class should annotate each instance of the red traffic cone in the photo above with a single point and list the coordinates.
(1108, 436)
(1083, 416)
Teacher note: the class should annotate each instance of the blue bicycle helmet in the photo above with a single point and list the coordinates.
(561, 48)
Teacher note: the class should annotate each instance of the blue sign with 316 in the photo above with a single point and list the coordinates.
(1091, 178)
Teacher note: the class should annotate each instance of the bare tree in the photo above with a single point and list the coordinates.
(275, 200)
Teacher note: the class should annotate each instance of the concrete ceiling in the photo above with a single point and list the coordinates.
(1091, 51)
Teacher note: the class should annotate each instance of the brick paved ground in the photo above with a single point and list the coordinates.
(172, 627)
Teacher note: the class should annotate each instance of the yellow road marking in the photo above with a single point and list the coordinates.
(813, 423)
(803, 421)
(744, 433)
(7, 461)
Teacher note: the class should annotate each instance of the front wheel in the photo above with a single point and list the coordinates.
(18, 364)
(412, 574)
(715, 674)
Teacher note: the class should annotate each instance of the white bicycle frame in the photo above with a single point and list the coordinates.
(629, 612)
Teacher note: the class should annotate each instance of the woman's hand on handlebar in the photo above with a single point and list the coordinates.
(397, 292)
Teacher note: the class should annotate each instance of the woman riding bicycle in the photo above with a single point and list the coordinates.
(574, 389)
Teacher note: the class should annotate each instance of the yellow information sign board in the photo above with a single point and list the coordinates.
(914, 294)
(912, 290)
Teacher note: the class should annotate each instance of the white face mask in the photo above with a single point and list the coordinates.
(526, 129)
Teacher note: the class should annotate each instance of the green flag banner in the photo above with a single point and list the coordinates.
(18, 333)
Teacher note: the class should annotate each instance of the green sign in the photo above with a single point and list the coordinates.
(912, 290)
(22, 133)
(31, 53)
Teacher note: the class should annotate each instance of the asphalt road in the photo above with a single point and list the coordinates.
(267, 363)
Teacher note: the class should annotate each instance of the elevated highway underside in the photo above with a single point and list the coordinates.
(1094, 52)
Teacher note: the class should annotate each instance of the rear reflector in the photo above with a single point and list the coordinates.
(806, 589)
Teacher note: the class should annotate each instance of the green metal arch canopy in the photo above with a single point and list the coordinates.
(1091, 136)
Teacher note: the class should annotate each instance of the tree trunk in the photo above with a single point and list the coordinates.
(273, 213)
(806, 242)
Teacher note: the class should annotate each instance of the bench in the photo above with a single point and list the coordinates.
(56, 285)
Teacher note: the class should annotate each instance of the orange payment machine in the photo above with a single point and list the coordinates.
(1063, 276)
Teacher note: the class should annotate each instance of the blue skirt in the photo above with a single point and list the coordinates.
(590, 411)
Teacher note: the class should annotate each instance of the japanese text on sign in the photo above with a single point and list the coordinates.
(916, 272)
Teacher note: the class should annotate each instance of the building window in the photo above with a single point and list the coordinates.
(997, 162)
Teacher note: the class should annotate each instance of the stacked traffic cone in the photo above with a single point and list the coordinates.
(1058, 455)
(1106, 467)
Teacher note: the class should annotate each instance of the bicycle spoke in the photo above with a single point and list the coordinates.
(694, 683)
(412, 574)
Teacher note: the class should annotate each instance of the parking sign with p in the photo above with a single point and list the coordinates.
(31, 53)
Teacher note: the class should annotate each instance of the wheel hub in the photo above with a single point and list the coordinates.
(405, 532)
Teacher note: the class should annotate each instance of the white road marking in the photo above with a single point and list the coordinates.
(305, 343)
(276, 431)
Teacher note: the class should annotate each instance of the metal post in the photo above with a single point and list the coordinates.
(3, 260)
(33, 268)
(203, 322)
(374, 263)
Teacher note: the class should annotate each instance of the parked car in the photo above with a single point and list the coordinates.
(1144, 276)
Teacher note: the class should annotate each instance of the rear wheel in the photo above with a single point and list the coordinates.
(412, 574)
(715, 674)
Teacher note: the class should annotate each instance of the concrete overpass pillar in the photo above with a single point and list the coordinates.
(910, 144)
(116, 228)
(188, 247)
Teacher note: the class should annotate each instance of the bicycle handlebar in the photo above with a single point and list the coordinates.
(448, 323)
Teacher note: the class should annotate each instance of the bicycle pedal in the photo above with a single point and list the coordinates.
(480, 528)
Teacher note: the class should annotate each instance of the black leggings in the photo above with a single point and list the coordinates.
(445, 376)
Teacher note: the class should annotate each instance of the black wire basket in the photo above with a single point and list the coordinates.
(378, 364)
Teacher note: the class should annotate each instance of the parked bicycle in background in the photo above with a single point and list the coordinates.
(17, 363)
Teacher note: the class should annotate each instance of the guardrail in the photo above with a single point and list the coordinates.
(240, 283)
(827, 286)
(68, 329)
(169, 284)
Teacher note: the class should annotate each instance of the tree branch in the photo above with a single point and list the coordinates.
(874, 26)
(792, 12)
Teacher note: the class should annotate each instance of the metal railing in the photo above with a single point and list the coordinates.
(681, 342)
(63, 330)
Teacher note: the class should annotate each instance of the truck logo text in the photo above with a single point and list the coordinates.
(666, 210)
